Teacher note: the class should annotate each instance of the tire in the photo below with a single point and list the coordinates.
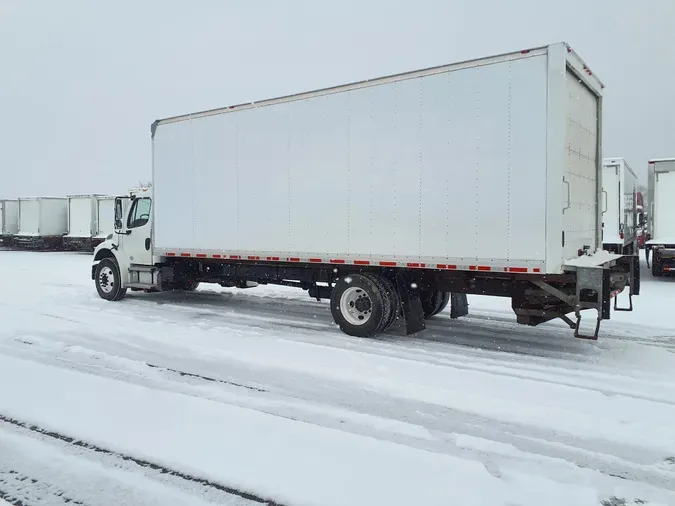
(445, 300)
(108, 280)
(388, 290)
(657, 268)
(433, 302)
(187, 286)
(360, 305)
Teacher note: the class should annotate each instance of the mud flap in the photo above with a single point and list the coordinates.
(411, 305)
(459, 305)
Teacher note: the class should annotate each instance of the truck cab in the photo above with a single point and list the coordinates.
(125, 259)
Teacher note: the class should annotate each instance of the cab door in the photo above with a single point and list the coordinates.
(136, 240)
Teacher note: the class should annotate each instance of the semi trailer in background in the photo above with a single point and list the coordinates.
(82, 219)
(354, 193)
(105, 218)
(43, 221)
(9, 221)
(619, 214)
(661, 215)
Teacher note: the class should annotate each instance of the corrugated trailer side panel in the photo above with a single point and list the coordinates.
(447, 167)
(582, 167)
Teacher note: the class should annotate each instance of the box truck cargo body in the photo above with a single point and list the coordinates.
(9, 221)
(105, 218)
(387, 196)
(620, 212)
(43, 221)
(661, 199)
(82, 212)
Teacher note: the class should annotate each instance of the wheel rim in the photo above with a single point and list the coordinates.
(106, 279)
(356, 306)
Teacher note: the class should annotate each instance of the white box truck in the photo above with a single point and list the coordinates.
(105, 218)
(43, 221)
(661, 215)
(389, 197)
(620, 212)
(82, 217)
(9, 221)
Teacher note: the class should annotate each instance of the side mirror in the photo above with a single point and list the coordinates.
(118, 214)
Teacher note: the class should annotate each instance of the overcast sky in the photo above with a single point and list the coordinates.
(81, 80)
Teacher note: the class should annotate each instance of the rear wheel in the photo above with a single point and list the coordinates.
(108, 281)
(433, 302)
(187, 286)
(657, 267)
(388, 290)
(360, 305)
(445, 300)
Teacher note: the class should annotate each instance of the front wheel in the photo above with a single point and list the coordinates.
(108, 282)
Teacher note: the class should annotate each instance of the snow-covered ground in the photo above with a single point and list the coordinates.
(250, 397)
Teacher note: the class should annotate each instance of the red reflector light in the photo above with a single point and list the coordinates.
(517, 269)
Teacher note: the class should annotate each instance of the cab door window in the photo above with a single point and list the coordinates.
(140, 213)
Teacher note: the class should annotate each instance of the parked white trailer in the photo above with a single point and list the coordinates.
(661, 201)
(620, 212)
(43, 221)
(9, 221)
(354, 193)
(82, 217)
(105, 218)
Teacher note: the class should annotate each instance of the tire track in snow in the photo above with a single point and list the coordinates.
(448, 427)
(141, 463)
(13, 480)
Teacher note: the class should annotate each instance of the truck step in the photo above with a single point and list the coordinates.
(142, 268)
